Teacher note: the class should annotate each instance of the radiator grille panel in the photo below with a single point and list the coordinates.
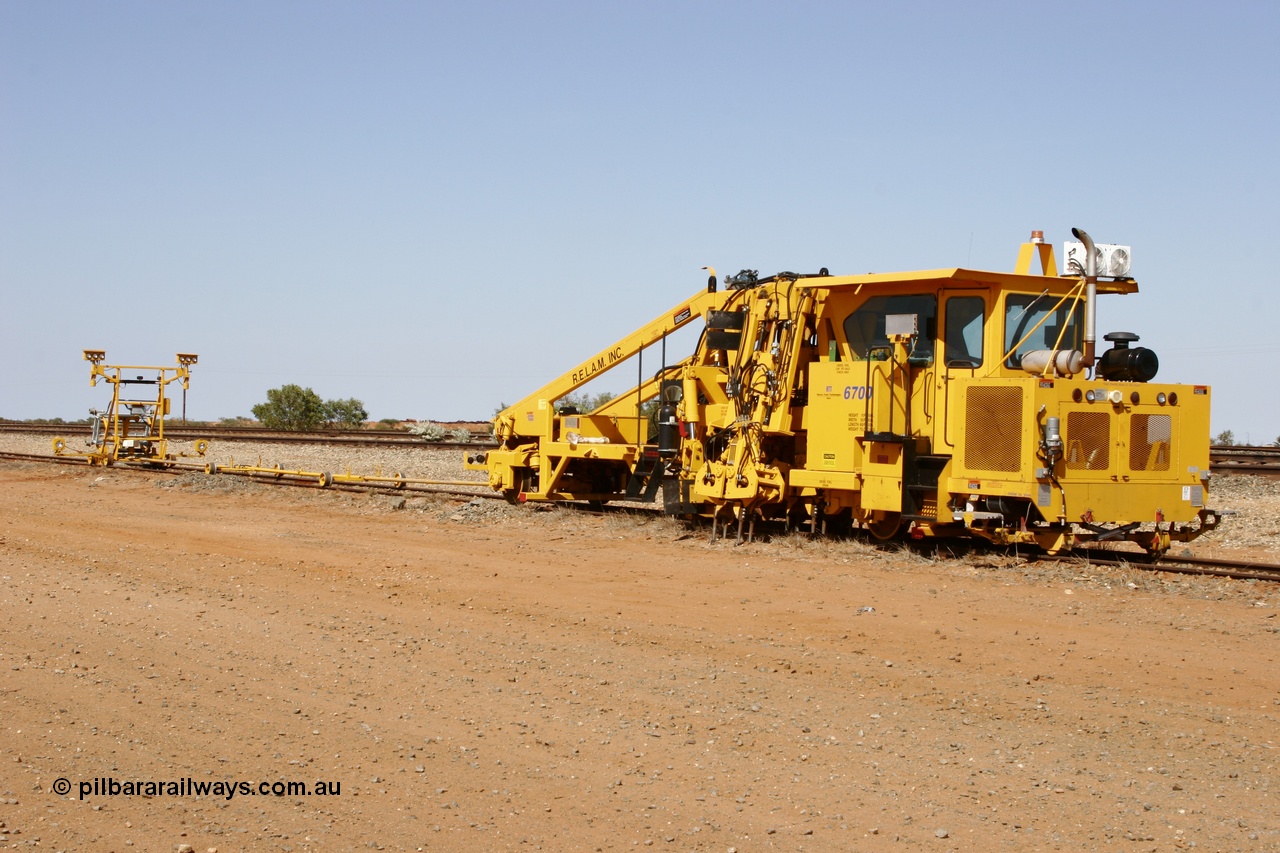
(993, 429)
(1150, 442)
(1088, 441)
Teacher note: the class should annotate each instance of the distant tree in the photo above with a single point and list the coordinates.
(389, 423)
(1226, 438)
(291, 407)
(345, 414)
(499, 410)
(584, 402)
(1276, 443)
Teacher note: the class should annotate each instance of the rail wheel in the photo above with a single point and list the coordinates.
(886, 526)
(519, 476)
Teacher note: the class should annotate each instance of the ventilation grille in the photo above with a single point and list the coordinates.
(1088, 441)
(993, 429)
(1150, 442)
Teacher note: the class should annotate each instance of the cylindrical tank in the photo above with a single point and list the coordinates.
(1066, 362)
(668, 430)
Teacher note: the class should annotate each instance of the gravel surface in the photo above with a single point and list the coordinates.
(1255, 504)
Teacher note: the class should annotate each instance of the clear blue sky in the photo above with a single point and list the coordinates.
(436, 207)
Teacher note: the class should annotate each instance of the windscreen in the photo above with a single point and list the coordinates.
(1023, 313)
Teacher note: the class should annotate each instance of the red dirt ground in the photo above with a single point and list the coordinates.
(483, 677)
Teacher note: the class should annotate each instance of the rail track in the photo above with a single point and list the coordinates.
(353, 438)
(1184, 565)
(1190, 565)
(1223, 459)
(1241, 459)
(385, 485)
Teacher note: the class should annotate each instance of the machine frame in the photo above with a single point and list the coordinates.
(131, 427)
(935, 403)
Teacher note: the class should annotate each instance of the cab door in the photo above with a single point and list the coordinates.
(894, 384)
(962, 354)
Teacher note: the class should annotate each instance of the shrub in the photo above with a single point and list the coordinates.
(428, 431)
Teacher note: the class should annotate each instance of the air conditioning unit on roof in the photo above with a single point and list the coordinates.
(1112, 260)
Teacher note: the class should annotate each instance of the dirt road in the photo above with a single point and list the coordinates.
(472, 676)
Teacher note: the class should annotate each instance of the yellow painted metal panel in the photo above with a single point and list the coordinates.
(836, 418)
(882, 476)
(801, 478)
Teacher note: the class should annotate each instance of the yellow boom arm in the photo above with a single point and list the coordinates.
(530, 416)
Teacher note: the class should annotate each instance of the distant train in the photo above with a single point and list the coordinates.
(938, 403)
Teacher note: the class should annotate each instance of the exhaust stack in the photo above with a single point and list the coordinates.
(1090, 297)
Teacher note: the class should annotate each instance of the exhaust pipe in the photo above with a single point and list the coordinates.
(1090, 297)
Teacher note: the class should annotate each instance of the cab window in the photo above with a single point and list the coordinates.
(1022, 313)
(864, 328)
(962, 335)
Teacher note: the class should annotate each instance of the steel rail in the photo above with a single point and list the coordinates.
(269, 476)
(355, 438)
(1187, 565)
